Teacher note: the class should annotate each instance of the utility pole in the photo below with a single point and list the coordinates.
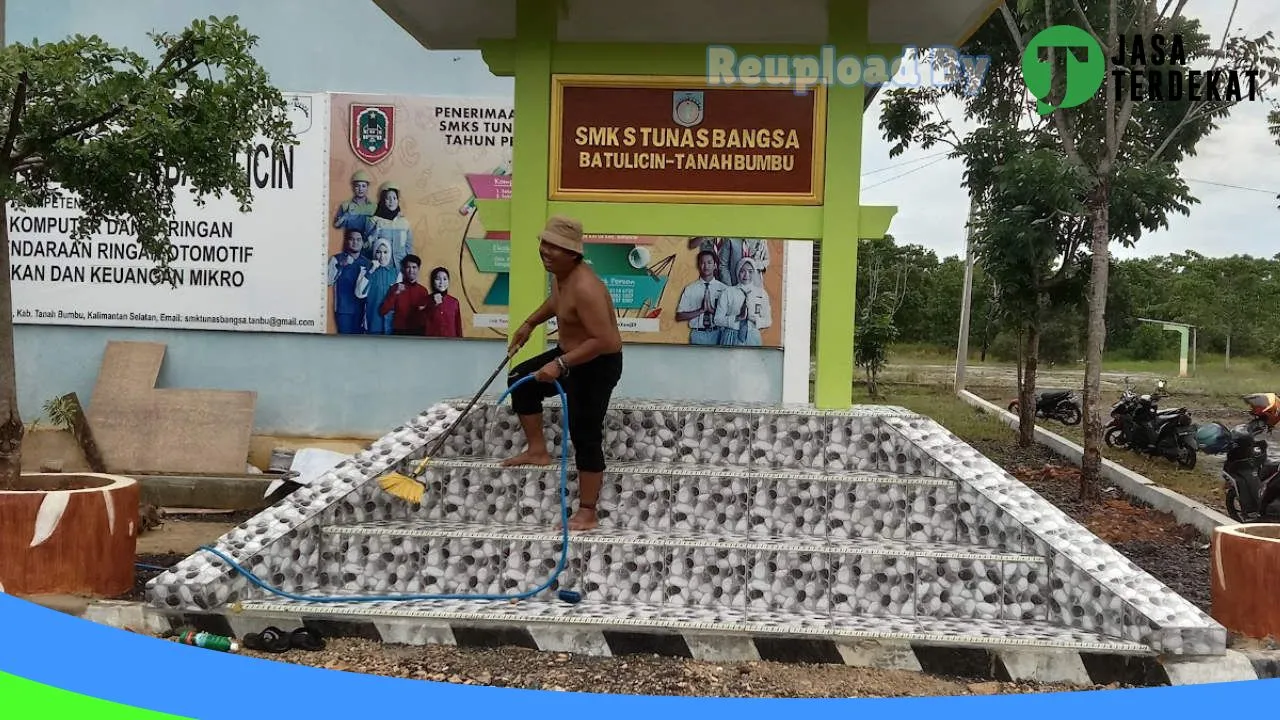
(962, 345)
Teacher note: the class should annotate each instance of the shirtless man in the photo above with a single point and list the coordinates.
(587, 362)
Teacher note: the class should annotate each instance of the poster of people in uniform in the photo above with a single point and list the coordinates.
(408, 253)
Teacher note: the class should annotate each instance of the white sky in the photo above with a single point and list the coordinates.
(933, 204)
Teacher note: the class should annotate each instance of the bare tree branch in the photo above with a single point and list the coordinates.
(1012, 24)
(15, 115)
(950, 129)
(30, 163)
(1194, 109)
(1064, 124)
(1076, 235)
(1084, 19)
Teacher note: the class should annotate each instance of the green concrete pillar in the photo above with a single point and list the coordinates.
(838, 266)
(535, 36)
(1184, 333)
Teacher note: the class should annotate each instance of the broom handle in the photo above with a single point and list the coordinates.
(439, 441)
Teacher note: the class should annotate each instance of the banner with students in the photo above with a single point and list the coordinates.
(376, 180)
(408, 253)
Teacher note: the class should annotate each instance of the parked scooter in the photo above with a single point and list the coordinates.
(1060, 405)
(1114, 433)
(1145, 428)
(1250, 479)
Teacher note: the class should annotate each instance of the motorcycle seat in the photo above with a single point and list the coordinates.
(1055, 395)
(1170, 412)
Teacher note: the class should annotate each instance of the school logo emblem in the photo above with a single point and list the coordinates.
(300, 112)
(372, 132)
(686, 108)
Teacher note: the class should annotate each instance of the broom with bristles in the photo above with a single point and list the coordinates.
(410, 487)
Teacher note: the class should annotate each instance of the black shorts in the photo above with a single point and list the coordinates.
(588, 388)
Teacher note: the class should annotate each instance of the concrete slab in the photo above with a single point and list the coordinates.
(416, 633)
(1232, 666)
(242, 625)
(879, 654)
(1049, 666)
(69, 604)
(721, 648)
(579, 641)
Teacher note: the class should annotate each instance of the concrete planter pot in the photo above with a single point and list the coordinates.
(1244, 562)
(69, 534)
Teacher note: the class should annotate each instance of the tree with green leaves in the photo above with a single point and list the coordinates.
(1028, 236)
(1228, 298)
(112, 128)
(1127, 148)
(1028, 227)
(1273, 125)
(1123, 154)
(882, 290)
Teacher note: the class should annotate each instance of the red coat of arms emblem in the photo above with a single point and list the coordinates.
(372, 131)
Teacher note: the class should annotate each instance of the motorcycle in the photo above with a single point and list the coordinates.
(1113, 434)
(1144, 428)
(1250, 478)
(1060, 405)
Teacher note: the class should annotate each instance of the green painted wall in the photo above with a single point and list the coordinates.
(838, 268)
(534, 56)
(536, 31)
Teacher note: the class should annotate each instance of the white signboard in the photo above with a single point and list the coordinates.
(258, 271)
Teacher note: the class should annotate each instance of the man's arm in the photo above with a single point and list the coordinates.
(545, 312)
(596, 321)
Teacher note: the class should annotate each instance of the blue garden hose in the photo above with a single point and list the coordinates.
(565, 595)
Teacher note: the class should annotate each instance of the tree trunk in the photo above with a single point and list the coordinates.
(1228, 356)
(11, 428)
(1100, 216)
(1027, 389)
(872, 389)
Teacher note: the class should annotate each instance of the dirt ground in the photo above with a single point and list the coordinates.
(637, 674)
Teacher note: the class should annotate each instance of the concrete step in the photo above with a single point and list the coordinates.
(659, 497)
(838, 577)
(742, 435)
(426, 620)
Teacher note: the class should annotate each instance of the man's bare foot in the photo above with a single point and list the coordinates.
(584, 519)
(528, 457)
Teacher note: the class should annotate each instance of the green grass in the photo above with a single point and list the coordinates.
(1212, 389)
(1211, 378)
(992, 437)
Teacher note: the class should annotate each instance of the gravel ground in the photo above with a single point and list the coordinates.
(513, 667)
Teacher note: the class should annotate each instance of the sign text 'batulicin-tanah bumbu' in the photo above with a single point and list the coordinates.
(686, 148)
